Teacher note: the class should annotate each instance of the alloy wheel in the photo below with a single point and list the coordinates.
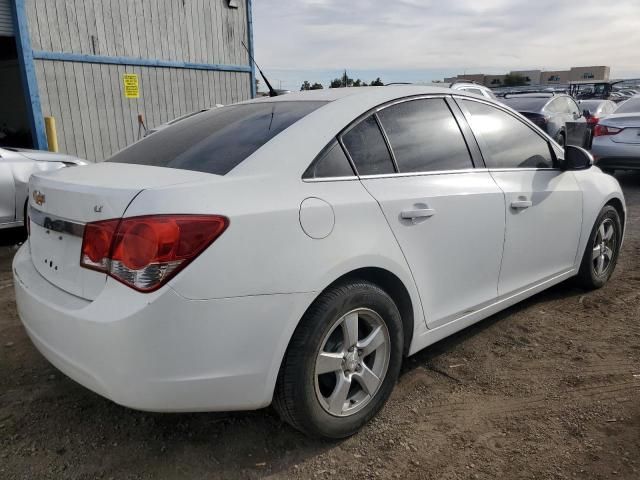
(604, 246)
(352, 362)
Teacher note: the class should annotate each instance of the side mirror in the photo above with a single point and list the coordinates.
(576, 158)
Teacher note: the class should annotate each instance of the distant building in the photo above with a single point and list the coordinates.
(472, 77)
(532, 77)
(494, 80)
(539, 77)
(589, 73)
(554, 77)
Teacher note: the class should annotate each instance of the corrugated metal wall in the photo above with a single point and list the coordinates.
(95, 120)
(6, 21)
(93, 117)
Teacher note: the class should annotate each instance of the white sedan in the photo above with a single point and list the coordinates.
(293, 250)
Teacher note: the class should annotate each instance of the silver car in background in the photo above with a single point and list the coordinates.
(616, 138)
(16, 166)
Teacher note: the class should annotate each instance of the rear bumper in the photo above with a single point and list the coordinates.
(612, 155)
(160, 352)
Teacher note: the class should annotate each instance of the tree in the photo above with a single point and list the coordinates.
(346, 81)
(316, 86)
(514, 80)
(305, 86)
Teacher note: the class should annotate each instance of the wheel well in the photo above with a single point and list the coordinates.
(396, 290)
(617, 204)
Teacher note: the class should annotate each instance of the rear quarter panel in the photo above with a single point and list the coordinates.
(265, 251)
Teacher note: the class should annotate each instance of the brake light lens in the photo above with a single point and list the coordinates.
(145, 252)
(592, 120)
(603, 130)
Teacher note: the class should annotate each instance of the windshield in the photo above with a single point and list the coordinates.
(630, 106)
(218, 140)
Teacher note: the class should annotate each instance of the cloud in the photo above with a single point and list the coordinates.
(484, 36)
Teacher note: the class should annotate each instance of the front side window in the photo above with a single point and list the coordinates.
(425, 136)
(507, 142)
(218, 140)
(368, 149)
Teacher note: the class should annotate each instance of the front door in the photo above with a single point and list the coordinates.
(543, 205)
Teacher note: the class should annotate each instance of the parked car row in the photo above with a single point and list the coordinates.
(548, 111)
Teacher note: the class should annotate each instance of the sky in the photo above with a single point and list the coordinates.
(425, 40)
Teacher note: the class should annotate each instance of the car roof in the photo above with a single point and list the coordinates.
(378, 93)
(343, 106)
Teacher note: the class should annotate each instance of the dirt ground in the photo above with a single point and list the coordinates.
(547, 389)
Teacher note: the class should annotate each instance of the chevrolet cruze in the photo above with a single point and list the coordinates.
(293, 250)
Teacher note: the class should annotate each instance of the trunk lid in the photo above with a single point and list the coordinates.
(629, 122)
(61, 202)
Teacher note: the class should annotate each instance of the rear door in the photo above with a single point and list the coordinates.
(543, 204)
(447, 217)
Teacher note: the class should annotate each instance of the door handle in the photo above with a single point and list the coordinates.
(521, 204)
(417, 213)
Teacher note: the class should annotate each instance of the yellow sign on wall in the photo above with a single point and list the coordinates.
(131, 86)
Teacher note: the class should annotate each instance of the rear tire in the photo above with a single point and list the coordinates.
(601, 253)
(342, 362)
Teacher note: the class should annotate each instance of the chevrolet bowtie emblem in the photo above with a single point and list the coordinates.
(38, 197)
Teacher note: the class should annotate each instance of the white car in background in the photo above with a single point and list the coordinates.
(295, 249)
(16, 166)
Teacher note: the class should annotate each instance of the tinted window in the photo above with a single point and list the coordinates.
(526, 104)
(555, 106)
(368, 149)
(218, 140)
(477, 91)
(630, 106)
(331, 163)
(425, 136)
(608, 107)
(572, 106)
(510, 143)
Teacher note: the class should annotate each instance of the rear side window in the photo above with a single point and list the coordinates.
(477, 91)
(367, 148)
(507, 142)
(218, 140)
(425, 136)
(332, 162)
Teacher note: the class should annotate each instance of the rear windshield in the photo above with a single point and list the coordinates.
(630, 106)
(526, 104)
(218, 140)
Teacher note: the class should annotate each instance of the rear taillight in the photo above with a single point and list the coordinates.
(145, 252)
(593, 120)
(602, 130)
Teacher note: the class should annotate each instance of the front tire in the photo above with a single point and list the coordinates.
(601, 254)
(342, 362)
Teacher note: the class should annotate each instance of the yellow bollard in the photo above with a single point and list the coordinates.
(52, 135)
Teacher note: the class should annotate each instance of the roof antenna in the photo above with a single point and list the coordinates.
(272, 92)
